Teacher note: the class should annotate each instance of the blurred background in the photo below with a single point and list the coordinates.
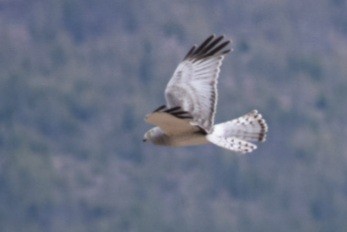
(77, 78)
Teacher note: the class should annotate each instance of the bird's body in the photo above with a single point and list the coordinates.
(181, 140)
(191, 95)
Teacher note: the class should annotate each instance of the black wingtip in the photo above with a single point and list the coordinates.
(212, 46)
(190, 51)
(218, 49)
(172, 109)
(160, 108)
(178, 113)
(226, 51)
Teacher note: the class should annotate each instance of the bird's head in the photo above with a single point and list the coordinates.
(156, 136)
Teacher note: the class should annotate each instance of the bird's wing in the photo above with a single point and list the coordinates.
(172, 121)
(193, 85)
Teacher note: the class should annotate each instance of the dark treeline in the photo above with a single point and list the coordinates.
(78, 76)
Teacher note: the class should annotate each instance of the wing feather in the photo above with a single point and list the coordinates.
(193, 85)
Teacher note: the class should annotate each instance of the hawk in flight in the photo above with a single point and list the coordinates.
(191, 101)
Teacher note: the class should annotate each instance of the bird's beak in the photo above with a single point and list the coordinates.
(146, 117)
(144, 140)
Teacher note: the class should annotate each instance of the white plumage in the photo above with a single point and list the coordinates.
(191, 96)
(237, 134)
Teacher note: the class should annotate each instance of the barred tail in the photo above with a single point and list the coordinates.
(237, 134)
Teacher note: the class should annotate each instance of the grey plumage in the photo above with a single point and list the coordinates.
(191, 100)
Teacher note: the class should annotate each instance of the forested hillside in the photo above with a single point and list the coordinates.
(77, 78)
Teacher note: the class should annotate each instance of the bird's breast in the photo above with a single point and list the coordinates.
(188, 140)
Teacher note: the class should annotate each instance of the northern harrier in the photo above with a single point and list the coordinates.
(191, 100)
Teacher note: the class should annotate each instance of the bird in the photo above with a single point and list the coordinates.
(191, 94)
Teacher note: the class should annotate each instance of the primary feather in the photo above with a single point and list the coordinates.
(193, 85)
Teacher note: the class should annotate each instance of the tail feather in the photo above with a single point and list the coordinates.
(238, 134)
(232, 143)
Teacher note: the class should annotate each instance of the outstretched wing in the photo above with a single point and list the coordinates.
(193, 85)
(172, 121)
